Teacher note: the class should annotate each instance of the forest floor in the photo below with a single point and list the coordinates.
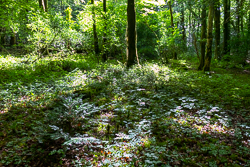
(72, 111)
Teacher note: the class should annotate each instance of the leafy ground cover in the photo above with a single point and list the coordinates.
(70, 111)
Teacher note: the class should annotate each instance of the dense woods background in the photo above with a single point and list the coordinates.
(124, 83)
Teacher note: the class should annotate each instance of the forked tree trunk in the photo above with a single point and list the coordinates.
(203, 37)
(217, 29)
(131, 34)
(209, 38)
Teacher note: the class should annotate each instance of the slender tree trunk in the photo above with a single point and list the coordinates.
(241, 16)
(189, 28)
(248, 32)
(41, 5)
(104, 54)
(226, 49)
(61, 6)
(46, 6)
(217, 29)
(131, 34)
(238, 17)
(172, 25)
(249, 21)
(96, 45)
(13, 39)
(198, 26)
(183, 24)
(209, 38)
(203, 36)
(1, 39)
(2, 29)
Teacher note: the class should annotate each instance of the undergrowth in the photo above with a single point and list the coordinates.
(72, 111)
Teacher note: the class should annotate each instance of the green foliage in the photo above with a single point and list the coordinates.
(239, 48)
(109, 115)
(66, 108)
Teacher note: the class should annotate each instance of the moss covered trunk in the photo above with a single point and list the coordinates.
(208, 56)
(217, 29)
(203, 37)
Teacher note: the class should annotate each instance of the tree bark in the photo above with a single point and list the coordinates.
(44, 5)
(1, 39)
(217, 29)
(96, 45)
(104, 54)
(238, 17)
(209, 38)
(189, 29)
(241, 16)
(248, 32)
(203, 36)
(131, 34)
(172, 25)
(183, 24)
(13, 39)
(249, 21)
(226, 48)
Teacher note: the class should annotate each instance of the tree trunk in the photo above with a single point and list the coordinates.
(209, 38)
(217, 29)
(104, 54)
(226, 49)
(172, 25)
(131, 34)
(248, 32)
(203, 36)
(96, 45)
(44, 5)
(41, 5)
(13, 39)
(241, 16)
(183, 24)
(61, 6)
(249, 21)
(238, 17)
(1, 40)
(189, 28)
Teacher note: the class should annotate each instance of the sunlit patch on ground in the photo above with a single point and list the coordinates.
(2, 111)
(149, 116)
